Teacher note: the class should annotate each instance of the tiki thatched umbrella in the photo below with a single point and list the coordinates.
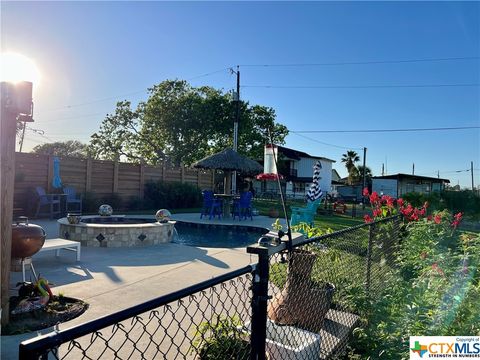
(229, 160)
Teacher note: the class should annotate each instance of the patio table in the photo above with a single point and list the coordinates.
(226, 202)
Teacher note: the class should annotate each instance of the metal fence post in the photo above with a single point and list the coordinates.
(260, 297)
(371, 228)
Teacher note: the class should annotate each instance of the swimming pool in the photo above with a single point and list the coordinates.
(220, 236)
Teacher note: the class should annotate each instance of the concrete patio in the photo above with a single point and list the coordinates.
(112, 279)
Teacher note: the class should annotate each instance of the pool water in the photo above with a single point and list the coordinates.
(216, 236)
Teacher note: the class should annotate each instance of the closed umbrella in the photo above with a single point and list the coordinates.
(314, 192)
(56, 181)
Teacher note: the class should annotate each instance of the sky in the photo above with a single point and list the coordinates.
(370, 70)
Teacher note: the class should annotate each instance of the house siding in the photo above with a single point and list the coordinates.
(385, 187)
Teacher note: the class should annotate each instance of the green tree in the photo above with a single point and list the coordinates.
(350, 158)
(357, 177)
(182, 123)
(71, 148)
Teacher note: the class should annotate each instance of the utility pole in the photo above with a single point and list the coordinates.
(236, 98)
(383, 169)
(364, 182)
(413, 169)
(471, 170)
(438, 174)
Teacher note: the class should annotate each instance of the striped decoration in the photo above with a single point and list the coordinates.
(315, 192)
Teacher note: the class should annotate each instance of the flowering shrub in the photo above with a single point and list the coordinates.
(385, 205)
(435, 283)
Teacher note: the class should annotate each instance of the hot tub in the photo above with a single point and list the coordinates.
(117, 231)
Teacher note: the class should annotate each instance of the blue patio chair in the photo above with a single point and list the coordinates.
(304, 214)
(243, 206)
(48, 204)
(71, 199)
(211, 206)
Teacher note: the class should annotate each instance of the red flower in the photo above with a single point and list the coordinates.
(374, 197)
(367, 218)
(437, 218)
(421, 212)
(365, 192)
(377, 212)
(400, 202)
(429, 217)
(425, 205)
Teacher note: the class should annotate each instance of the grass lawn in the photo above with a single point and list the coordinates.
(334, 221)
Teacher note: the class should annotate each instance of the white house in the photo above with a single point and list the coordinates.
(297, 170)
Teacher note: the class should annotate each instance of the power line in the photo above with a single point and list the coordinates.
(130, 93)
(360, 86)
(387, 130)
(324, 143)
(373, 62)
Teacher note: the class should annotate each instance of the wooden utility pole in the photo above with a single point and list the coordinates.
(15, 99)
(8, 126)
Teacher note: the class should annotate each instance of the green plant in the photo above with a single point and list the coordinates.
(175, 195)
(433, 290)
(221, 338)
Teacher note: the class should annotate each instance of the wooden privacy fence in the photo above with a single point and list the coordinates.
(101, 177)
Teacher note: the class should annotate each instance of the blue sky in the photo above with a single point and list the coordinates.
(92, 54)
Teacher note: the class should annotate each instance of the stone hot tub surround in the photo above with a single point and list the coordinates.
(117, 231)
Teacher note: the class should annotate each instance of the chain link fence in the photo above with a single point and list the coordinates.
(325, 287)
(200, 322)
(300, 301)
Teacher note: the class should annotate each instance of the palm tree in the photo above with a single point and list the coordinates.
(350, 158)
(358, 178)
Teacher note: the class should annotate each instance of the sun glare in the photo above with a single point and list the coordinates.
(16, 67)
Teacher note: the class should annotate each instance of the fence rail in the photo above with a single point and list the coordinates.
(301, 300)
(178, 325)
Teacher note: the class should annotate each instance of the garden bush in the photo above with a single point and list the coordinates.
(465, 201)
(434, 287)
(172, 195)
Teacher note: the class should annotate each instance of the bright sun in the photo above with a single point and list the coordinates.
(16, 67)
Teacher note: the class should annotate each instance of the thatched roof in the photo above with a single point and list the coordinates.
(230, 160)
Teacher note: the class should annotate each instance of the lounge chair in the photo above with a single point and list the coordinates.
(305, 214)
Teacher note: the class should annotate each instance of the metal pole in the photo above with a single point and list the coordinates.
(369, 259)
(258, 335)
(235, 128)
(364, 185)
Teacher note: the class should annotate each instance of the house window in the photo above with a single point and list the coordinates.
(299, 187)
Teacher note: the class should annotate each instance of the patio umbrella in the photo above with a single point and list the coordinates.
(315, 192)
(56, 181)
(229, 160)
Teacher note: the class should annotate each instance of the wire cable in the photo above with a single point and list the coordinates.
(386, 130)
(360, 86)
(324, 143)
(372, 62)
(128, 94)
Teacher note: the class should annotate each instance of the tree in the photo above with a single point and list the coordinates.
(350, 158)
(71, 148)
(181, 123)
(357, 177)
